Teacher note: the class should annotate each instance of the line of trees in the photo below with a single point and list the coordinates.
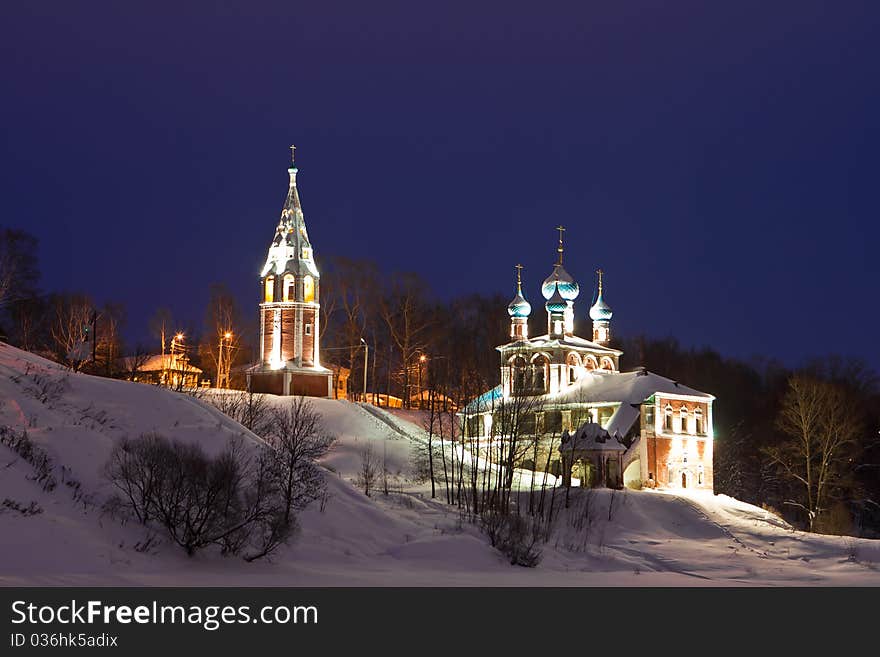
(821, 474)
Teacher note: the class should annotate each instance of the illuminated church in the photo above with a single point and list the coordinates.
(596, 424)
(290, 362)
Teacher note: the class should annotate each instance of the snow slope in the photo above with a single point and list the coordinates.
(401, 539)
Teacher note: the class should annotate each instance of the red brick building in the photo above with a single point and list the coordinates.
(290, 362)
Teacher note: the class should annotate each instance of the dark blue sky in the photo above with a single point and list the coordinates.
(717, 159)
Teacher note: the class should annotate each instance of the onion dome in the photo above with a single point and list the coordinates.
(556, 303)
(560, 280)
(519, 307)
(600, 311)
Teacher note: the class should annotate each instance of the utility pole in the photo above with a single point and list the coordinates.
(366, 363)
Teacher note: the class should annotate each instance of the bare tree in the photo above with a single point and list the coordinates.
(223, 338)
(822, 424)
(408, 319)
(71, 324)
(108, 329)
(18, 266)
(298, 437)
(369, 470)
(133, 364)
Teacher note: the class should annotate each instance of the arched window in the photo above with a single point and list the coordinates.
(289, 287)
(518, 371)
(607, 363)
(573, 362)
(269, 295)
(667, 418)
(698, 421)
(700, 476)
(540, 365)
(590, 363)
(683, 412)
(308, 289)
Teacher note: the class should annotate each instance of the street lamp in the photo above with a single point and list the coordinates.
(422, 359)
(177, 339)
(366, 362)
(223, 370)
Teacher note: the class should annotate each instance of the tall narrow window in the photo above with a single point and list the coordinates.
(308, 289)
(684, 419)
(698, 421)
(289, 287)
(308, 329)
(269, 295)
(667, 419)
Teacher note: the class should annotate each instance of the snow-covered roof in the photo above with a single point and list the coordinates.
(629, 389)
(546, 341)
(623, 419)
(590, 436)
(158, 363)
(624, 387)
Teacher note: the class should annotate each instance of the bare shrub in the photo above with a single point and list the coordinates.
(231, 501)
(31, 509)
(32, 454)
(516, 536)
(369, 470)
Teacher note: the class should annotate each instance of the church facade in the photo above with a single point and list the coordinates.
(594, 423)
(290, 330)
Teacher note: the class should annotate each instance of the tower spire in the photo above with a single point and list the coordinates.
(561, 229)
(600, 272)
(518, 268)
(292, 154)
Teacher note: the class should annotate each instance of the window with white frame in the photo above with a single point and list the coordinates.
(667, 419)
(683, 413)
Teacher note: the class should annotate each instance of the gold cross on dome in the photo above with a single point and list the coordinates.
(518, 268)
(561, 229)
(292, 153)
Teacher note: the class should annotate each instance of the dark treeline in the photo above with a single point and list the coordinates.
(803, 441)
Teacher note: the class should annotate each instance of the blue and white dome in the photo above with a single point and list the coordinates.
(519, 307)
(556, 303)
(562, 281)
(600, 311)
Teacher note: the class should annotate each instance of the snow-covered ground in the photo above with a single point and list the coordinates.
(401, 539)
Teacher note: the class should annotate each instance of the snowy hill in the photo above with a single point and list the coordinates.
(401, 539)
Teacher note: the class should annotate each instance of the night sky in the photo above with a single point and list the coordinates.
(717, 159)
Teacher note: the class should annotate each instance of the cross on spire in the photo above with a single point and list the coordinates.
(600, 272)
(292, 153)
(561, 229)
(518, 268)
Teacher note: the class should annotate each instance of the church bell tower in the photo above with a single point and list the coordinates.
(290, 361)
